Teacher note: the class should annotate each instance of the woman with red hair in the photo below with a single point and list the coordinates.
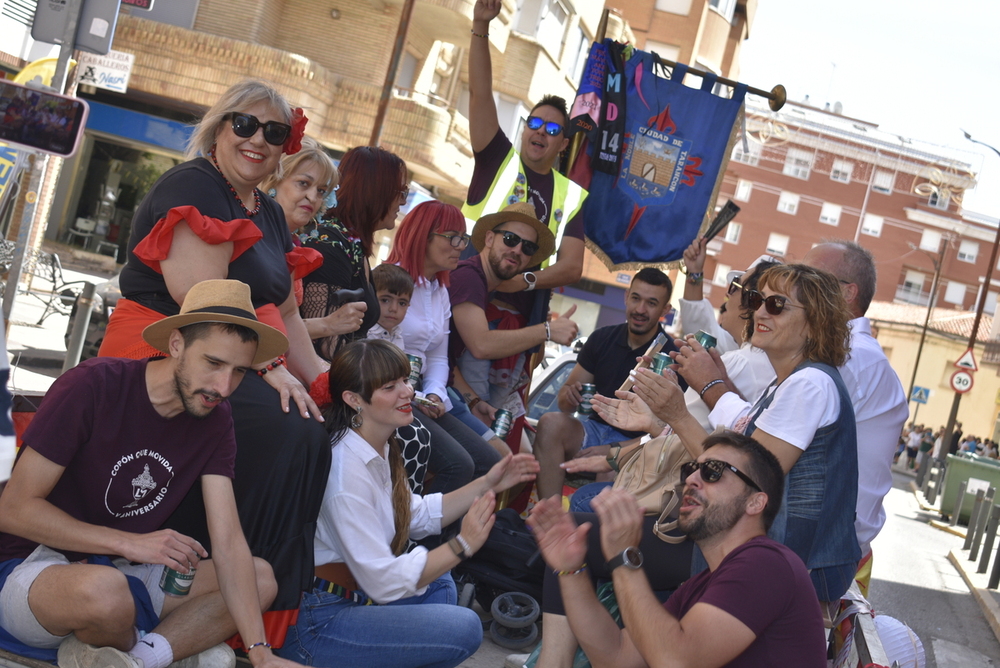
(373, 185)
(428, 245)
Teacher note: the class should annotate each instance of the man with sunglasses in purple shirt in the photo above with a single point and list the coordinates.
(503, 175)
(754, 606)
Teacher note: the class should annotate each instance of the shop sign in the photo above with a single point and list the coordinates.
(111, 71)
(139, 4)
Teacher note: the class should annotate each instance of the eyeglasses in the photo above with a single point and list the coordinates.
(551, 127)
(734, 285)
(774, 304)
(511, 240)
(404, 192)
(456, 240)
(245, 125)
(712, 470)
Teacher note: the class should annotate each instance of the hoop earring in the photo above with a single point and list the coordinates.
(356, 419)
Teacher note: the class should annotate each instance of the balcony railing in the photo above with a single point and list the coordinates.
(991, 352)
(909, 295)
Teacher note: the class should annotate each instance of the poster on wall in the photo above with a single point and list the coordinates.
(111, 71)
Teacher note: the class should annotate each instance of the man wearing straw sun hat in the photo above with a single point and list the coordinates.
(113, 449)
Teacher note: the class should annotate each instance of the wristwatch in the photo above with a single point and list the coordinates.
(460, 547)
(630, 557)
(530, 279)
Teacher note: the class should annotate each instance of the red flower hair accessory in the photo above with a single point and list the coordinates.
(319, 390)
(294, 142)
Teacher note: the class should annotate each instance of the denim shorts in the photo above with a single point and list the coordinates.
(15, 614)
(598, 433)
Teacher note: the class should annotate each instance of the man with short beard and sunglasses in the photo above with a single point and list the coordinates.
(481, 331)
(87, 574)
(754, 606)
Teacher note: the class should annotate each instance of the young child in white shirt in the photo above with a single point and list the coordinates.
(394, 289)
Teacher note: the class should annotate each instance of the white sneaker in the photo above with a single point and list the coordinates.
(515, 660)
(219, 656)
(74, 653)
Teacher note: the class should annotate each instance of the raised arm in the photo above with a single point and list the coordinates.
(487, 344)
(566, 270)
(483, 122)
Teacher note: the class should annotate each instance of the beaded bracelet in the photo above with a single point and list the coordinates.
(259, 644)
(279, 361)
(708, 385)
(476, 34)
(576, 572)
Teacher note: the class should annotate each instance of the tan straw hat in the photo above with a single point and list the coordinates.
(219, 301)
(522, 212)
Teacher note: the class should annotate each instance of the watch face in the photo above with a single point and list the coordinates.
(632, 558)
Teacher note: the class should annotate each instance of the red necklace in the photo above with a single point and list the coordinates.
(256, 193)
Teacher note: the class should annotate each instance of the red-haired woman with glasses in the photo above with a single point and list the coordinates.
(206, 219)
(373, 185)
(428, 245)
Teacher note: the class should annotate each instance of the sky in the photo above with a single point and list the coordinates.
(916, 68)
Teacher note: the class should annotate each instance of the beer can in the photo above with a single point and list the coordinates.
(502, 423)
(175, 583)
(705, 339)
(660, 362)
(587, 393)
(416, 365)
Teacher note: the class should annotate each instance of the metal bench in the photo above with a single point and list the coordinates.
(57, 294)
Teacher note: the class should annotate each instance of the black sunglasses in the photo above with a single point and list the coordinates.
(551, 127)
(734, 286)
(774, 304)
(511, 240)
(456, 240)
(245, 125)
(712, 470)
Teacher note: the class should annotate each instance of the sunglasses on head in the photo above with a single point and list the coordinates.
(774, 304)
(551, 127)
(511, 240)
(245, 125)
(456, 240)
(712, 470)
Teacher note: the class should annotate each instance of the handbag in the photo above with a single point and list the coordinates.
(652, 473)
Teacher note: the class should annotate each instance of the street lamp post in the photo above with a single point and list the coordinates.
(938, 264)
(979, 315)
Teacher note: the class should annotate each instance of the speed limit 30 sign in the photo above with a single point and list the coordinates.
(961, 381)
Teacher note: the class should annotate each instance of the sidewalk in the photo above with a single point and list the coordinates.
(36, 352)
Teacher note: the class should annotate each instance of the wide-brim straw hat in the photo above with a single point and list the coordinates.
(522, 212)
(219, 301)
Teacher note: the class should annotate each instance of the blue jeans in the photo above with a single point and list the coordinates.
(420, 631)
(580, 501)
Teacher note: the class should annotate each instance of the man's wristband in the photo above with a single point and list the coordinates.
(473, 402)
(476, 34)
(709, 385)
(695, 277)
(548, 331)
(576, 572)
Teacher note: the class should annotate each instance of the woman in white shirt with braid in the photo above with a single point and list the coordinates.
(374, 604)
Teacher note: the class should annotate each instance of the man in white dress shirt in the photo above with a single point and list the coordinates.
(880, 405)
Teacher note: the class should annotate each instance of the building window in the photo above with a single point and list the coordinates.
(830, 214)
(872, 225)
(724, 7)
(552, 28)
(912, 289)
(842, 170)
(930, 240)
(777, 244)
(798, 163)
(968, 251)
(955, 293)
(788, 202)
(882, 182)
(939, 199)
(721, 272)
(751, 157)
(990, 307)
(743, 190)
(733, 233)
